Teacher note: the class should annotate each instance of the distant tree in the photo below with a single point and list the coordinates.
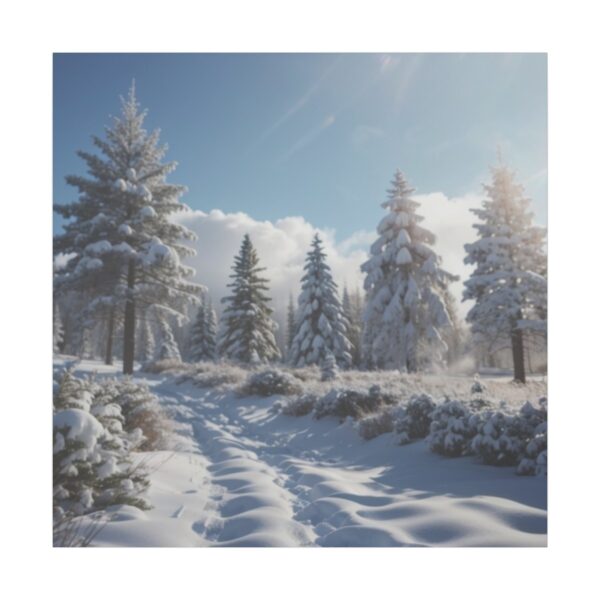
(321, 327)
(508, 284)
(203, 334)
(58, 334)
(168, 348)
(122, 245)
(353, 312)
(247, 330)
(291, 325)
(146, 345)
(405, 312)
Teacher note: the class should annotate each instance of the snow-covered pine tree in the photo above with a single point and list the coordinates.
(405, 312)
(203, 334)
(145, 348)
(168, 348)
(321, 326)
(508, 284)
(247, 330)
(353, 316)
(122, 242)
(58, 334)
(290, 326)
(329, 369)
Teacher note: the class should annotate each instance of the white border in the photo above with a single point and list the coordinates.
(33, 30)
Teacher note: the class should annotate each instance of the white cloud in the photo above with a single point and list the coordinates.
(451, 220)
(282, 246)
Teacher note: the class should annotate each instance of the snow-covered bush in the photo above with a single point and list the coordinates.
(453, 426)
(384, 422)
(415, 422)
(269, 383)
(352, 403)
(141, 410)
(211, 375)
(299, 406)
(503, 438)
(167, 365)
(92, 465)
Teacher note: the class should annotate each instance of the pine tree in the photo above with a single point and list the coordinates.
(508, 284)
(125, 247)
(405, 313)
(168, 348)
(353, 316)
(146, 345)
(329, 369)
(291, 326)
(321, 326)
(247, 330)
(58, 334)
(203, 342)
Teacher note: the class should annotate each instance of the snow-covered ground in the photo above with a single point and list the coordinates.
(245, 475)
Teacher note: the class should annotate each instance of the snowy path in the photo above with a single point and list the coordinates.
(252, 477)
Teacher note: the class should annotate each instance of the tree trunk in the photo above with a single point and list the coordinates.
(129, 325)
(518, 355)
(108, 359)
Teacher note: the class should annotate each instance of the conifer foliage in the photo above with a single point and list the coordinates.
(124, 247)
(405, 312)
(203, 334)
(247, 330)
(321, 326)
(508, 283)
(168, 348)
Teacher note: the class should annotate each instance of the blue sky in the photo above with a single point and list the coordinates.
(316, 135)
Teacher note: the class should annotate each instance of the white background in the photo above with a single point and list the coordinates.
(31, 31)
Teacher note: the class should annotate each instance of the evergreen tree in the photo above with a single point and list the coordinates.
(58, 334)
(352, 313)
(321, 327)
(329, 369)
(405, 312)
(168, 348)
(291, 326)
(508, 284)
(124, 246)
(203, 342)
(247, 330)
(145, 347)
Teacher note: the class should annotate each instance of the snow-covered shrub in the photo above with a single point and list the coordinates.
(92, 466)
(384, 422)
(167, 365)
(453, 426)
(141, 411)
(415, 422)
(269, 383)
(503, 438)
(299, 406)
(211, 375)
(352, 403)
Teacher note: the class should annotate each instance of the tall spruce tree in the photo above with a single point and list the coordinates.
(508, 284)
(247, 330)
(58, 334)
(321, 328)
(353, 315)
(405, 312)
(203, 333)
(123, 246)
(290, 326)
